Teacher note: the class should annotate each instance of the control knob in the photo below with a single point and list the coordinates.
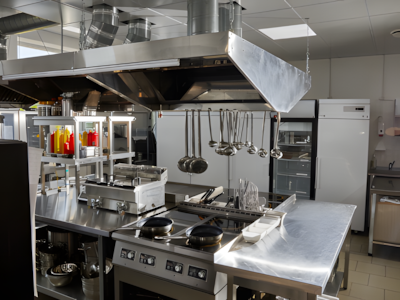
(150, 260)
(202, 274)
(178, 268)
(130, 254)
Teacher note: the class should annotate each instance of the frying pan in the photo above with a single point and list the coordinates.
(200, 235)
(152, 225)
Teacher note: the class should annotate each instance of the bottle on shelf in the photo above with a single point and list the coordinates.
(90, 138)
(66, 148)
(95, 139)
(84, 138)
(71, 144)
(52, 143)
(66, 135)
(61, 145)
(57, 141)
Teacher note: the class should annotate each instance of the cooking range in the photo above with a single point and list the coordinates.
(180, 266)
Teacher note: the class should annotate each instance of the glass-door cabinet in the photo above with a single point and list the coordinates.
(294, 173)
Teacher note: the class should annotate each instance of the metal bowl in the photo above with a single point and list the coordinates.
(64, 270)
(57, 280)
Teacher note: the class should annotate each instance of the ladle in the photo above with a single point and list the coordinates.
(181, 162)
(211, 143)
(236, 131)
(262, 152)
(193, 157)
(230, 150)
(221, 144)
(240, 144)
(247, 143)
(252, 149)
(199, 165)
(275, 152)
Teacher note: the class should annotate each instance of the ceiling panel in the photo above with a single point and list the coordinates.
(267, 44)
(5, 11)
(382, 26)
(347, 37)
(298, 3)
(297, 48)
(272, 19)
(333, 11)
(377, 7)
(57, 30)
(256, 6)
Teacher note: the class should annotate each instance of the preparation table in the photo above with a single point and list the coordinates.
(295, 260)
(62, 210)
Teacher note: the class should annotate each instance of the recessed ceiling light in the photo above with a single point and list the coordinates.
(288, 32)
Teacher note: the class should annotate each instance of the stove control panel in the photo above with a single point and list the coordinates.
(128, 254)
(197, 273)
(174, 267)
(147, 259)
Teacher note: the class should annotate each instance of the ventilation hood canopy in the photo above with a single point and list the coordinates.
(193, 72)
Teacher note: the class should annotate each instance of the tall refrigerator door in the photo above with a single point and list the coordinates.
(342, 161)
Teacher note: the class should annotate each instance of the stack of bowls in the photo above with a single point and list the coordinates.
(61, 275)
(91, 287)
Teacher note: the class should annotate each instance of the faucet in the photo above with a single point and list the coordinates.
(391, 165)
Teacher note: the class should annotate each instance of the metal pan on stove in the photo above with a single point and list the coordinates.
(152, 226)
(200, 235)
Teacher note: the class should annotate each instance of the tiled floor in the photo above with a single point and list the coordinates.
(370, 278)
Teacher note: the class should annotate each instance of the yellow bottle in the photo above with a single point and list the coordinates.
(84, 139)
(57, 141)
(61, 142)
(80, 137)
(66, 135)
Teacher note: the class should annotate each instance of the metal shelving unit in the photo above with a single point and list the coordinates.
(112, 155)
(76, 160)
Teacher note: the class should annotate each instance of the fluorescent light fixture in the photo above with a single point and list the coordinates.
(288, 32)
(72, 29)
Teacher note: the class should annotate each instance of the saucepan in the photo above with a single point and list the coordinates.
(200, 235)
(152, 226)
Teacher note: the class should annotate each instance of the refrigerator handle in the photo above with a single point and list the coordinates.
(318, 171)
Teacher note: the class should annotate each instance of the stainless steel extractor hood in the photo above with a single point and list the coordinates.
(200, 71)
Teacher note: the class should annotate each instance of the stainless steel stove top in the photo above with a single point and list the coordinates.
(177, 260)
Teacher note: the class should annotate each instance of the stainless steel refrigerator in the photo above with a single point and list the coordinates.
(294, 173)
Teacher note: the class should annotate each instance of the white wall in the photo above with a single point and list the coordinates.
(369, 77)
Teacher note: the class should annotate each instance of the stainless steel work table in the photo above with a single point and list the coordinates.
(387, 186)
(295, 260)
(63, 211)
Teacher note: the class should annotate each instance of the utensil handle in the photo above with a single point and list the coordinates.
(278, 119)
(199, 137)
(221, 126)
(252, 128)
(129, 228)
(241, 135)
(228, 124)
(209, 121)
(247, 125)
(262, 138)
(193, 136)
(186, 135)
(170, 237)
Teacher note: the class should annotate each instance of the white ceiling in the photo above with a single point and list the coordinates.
(343, 27)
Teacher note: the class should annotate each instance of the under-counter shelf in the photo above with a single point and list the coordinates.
(295, 159)
(73, 291)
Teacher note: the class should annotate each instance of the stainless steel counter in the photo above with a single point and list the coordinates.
(62, 210)
(300, 254)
